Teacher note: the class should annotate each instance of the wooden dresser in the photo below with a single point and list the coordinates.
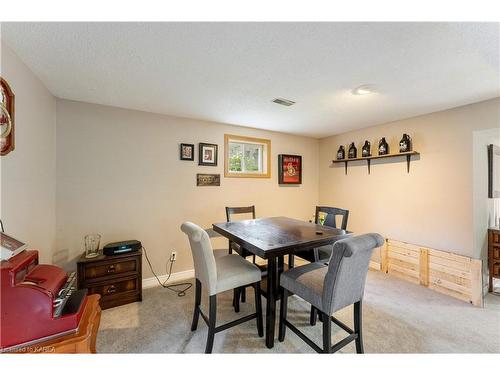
(118, 278)
(494, 257)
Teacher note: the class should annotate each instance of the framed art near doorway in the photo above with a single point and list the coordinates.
(493, 171)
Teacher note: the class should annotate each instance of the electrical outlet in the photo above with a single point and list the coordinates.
(173, 256)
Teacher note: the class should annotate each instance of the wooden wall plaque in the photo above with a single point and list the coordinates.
(6, 118)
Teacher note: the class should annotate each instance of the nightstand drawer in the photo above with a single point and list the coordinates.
(496, 269)
(95, 271)
(496, 252)
(495, 237)
(116, 288)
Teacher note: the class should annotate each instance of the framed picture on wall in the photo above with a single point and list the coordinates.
(186, 151)
(493, 171)
(289, 169)
(207, 154)
(203, 179)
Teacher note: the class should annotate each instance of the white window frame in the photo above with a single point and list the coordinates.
(265, 155)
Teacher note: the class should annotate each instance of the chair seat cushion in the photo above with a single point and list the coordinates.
(238, 249)
(324, 253)
(220, 252)
(306, 282)
(234, 271)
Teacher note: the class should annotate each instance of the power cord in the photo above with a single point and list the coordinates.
(181, 292)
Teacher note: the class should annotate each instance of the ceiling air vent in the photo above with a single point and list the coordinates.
(285, 102)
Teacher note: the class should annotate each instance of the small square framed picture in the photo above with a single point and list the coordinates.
(186, 151)
(207, 154)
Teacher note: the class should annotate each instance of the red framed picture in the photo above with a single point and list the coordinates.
(290, 169)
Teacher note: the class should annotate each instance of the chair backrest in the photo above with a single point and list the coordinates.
(203, 257)
(230, 211)
(345, 279)
(331, 214)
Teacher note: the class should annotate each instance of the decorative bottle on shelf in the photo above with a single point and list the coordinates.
(353, 152)
(383, 147)
(405, 144)
(341, 153)
(365, 151)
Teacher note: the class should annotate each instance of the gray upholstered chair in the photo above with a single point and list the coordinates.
(218, 275)
(332, 287)
(330, 214)
(323, 253)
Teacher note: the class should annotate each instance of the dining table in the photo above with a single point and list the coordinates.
(271, 238)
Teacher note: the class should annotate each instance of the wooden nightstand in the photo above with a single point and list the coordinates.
(493, 256)
(118, 278)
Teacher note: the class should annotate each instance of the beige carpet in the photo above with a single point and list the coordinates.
(399, 317)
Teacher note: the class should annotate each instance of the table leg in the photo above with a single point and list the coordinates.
(271, 301)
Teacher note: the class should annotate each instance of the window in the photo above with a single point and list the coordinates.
(246, 157)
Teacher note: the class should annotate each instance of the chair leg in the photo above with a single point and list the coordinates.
(314, 314)
(197, 302)
(236, 300)
(243, 294)
(320, 316)
(358, 326)
(283, 312)
(291, 260)
(211, 324)
(316, 254)
(327, 333)
(258, 309)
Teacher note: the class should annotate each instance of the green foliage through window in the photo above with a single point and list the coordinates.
(245, 157)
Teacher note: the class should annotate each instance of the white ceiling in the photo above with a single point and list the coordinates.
(230, 72)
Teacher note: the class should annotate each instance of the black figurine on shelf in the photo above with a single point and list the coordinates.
(365, 151)
(353, 152)
(341, 153)
(405, 144)
(383, 147)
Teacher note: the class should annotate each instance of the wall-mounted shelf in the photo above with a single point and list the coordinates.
(370, 158)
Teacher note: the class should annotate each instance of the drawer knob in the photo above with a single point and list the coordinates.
(111, 268)
(111, 290)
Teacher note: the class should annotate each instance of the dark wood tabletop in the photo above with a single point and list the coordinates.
(274, 236)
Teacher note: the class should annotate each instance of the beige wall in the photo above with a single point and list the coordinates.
(433, 204)
(119, 174)
(28, 181)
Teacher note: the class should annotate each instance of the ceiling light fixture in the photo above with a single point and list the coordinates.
(284, 102)
(364, 90)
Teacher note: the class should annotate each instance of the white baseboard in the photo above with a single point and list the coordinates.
(174, 278)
